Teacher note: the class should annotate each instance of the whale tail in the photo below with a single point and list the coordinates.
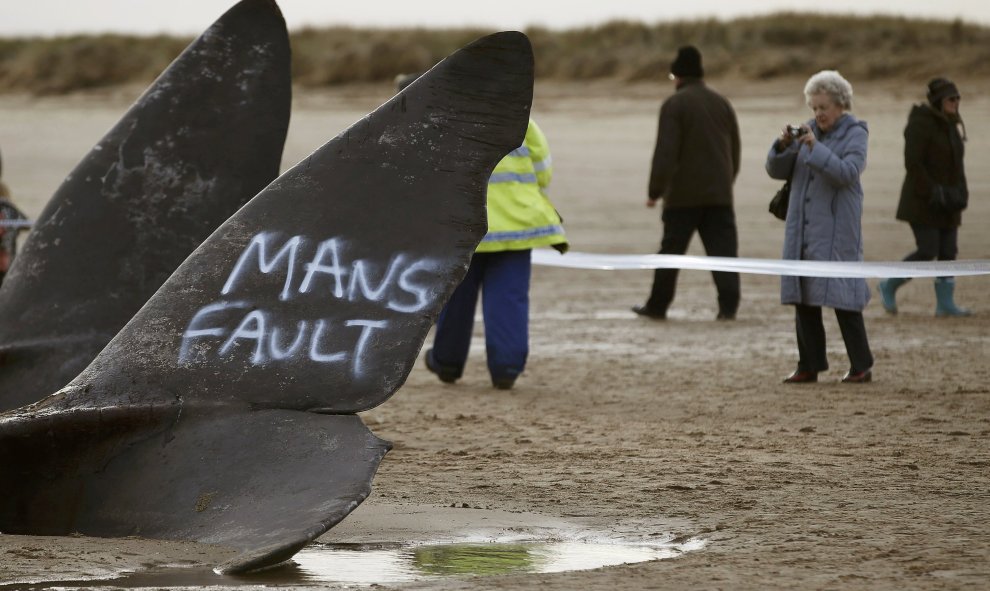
(223, 411)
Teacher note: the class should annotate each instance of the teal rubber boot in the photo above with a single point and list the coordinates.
(888, 293)
(945, 288)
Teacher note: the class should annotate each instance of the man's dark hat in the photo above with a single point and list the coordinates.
(940, 89)
(688, 63)
(404, 80)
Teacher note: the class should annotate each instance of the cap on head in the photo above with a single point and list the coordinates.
(940, 89)
(688, 63)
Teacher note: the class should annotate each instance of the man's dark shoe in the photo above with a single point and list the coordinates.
(446, 375)
(858, 377)
(802, 377)
(726, 316)
(503, 383)
(649, 313)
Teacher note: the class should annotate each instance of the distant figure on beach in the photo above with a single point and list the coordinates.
(520, 218)
(934, 192)
(8, 233)
(825, 158)
(695, 162)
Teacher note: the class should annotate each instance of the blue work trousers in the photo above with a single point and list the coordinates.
(503, 280)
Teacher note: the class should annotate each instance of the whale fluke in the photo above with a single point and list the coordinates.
(223, 411)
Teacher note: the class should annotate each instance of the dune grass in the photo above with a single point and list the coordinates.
(757, 48)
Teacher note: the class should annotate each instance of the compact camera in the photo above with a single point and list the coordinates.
(796, 131)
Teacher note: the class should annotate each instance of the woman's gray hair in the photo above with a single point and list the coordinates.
(833, 84)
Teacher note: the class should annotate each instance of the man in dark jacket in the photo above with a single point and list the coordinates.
(694, 165)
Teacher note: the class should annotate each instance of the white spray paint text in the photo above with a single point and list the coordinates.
(239, 326)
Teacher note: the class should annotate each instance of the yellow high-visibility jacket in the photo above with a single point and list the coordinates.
(520, 215)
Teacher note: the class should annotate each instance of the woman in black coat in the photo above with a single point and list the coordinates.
(933, 156)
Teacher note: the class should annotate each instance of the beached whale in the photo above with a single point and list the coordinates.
(223, 411)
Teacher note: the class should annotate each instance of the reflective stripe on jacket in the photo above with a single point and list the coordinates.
(520, 215)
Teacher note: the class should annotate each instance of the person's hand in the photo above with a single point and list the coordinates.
(807, 138)
(785, 138)
(651, 202)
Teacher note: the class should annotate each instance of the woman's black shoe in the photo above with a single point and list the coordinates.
(802, 377)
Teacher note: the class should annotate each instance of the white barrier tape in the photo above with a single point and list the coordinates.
(614, 262)
(16, 223)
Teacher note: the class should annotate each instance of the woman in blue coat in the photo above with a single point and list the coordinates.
(825, 158)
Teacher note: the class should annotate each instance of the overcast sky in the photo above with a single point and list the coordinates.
(52, 17)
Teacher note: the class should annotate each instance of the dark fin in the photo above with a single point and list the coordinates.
(204, 138)
(263, 482)
(202, 438)
(318, 294)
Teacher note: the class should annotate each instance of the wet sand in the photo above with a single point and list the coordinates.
(635, 427)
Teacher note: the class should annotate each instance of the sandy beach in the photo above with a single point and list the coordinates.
(680, 429)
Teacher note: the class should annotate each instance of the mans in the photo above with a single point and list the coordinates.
(695, 162)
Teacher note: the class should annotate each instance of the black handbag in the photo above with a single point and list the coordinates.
(780, 201)
(778, 205)
(948, 199)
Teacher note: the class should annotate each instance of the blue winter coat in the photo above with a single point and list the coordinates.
(825, 212)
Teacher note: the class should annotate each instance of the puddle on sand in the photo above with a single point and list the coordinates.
(341, 563)
(425, 543)
(322, 564)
